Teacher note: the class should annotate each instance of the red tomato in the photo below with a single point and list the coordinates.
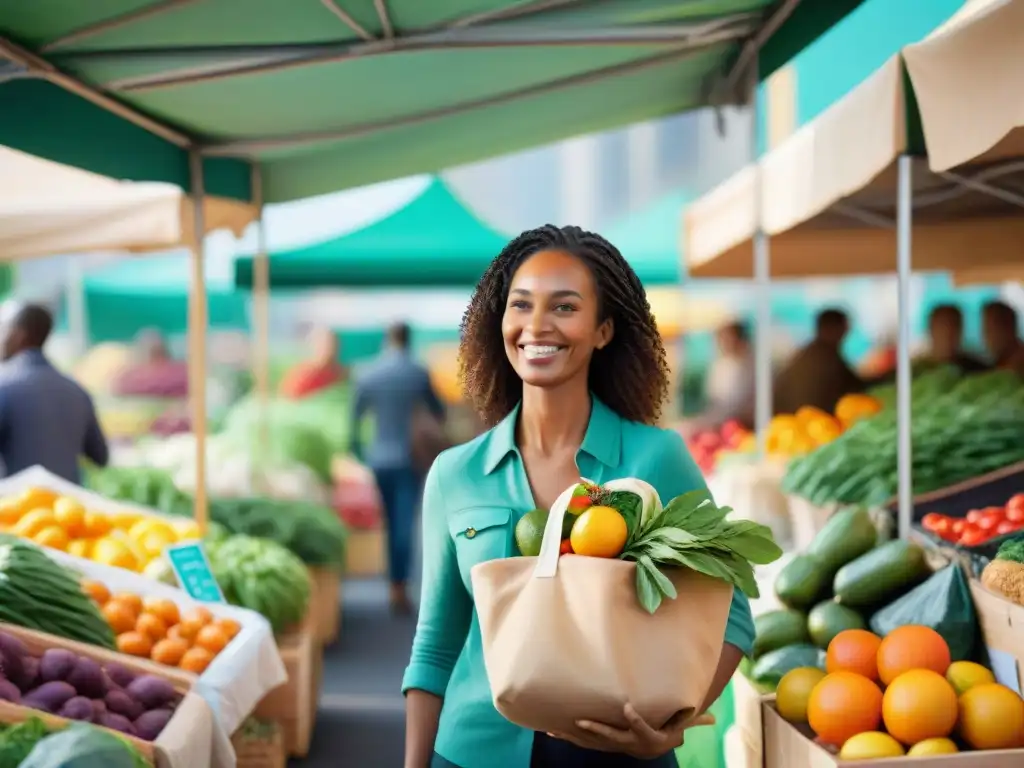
(1006, 527)
(994, 511)
(957, 527)
(1015, 514)
(974, 515)
(933, 520)
(565, 548)
(989, 523)
(972, 537)
(1016, 501)
(580, 503)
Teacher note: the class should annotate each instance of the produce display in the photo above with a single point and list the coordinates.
(81, 746)
(959, 431)
(155, 628)
(123, 540)
(900, 695)
(849, 579)
(625, 519)
(978, 526)
(1005, 574)
(262, 576)
(707, 447)
(75, 687)
(810, 428)
(37, 593)
(311, 531)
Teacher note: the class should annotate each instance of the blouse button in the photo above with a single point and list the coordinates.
(470, 533)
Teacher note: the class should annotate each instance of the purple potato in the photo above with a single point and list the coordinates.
(151, 692)
(87, 678)
(99, 708)
(121, 703)
(9, 691)
(12, 659)
(54, 695)
(118, 723)
(149, 725)
(56, 664)
(119, 675)
(77, 708)
(30, 678)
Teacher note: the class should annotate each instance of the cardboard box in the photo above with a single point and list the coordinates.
(747, 702)
(739, 752)
(1002, 633)
(786, 746)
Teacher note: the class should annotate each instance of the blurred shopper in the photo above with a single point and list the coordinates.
(154, 373)
(323, 370)
(45, 417)
(408, 416)
(817, 375)
(729, 387)
(945, 340)
(999, 327)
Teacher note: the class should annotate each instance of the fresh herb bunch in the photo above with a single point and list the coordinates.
(692, 532)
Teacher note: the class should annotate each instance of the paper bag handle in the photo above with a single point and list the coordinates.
(547, 560)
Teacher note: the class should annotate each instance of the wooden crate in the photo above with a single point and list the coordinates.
(260, 753)
(293, 704)
(325, 604)
(364, 553)
(190, 710)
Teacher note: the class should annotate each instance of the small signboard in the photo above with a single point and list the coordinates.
(192, 568)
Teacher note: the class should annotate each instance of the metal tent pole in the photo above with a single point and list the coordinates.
(762, 289)
(197, 321)
(261, 315)
(904, 446)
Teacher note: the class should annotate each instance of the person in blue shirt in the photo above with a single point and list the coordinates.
(45, 417)
(562, 358)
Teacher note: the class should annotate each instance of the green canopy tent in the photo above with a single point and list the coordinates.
(434, 240)
(328, 95)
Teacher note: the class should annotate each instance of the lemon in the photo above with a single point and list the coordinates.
(188, 531)
(964, 675)
(114, 552)
(70, 515)
(793, 692)
(33, 522)
(81, 548)
(930, 747)
(599, 532)
(870, 745)
(155, 541)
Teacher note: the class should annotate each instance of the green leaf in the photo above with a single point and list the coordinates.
(659, 552)
(664, 584)
(675, 537)
(694, 511)
(630, 506)
(751, 541)
(706, 564)
(647, 591)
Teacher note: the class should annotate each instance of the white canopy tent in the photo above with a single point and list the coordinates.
(47, 209)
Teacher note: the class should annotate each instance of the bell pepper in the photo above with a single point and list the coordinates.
(852, 408)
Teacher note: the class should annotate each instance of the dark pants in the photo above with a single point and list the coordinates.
(555, 753)
(400, 492)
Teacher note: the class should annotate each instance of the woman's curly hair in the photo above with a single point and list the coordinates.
(630, 375)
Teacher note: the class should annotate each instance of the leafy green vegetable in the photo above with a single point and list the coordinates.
(692, 532)
(83, 746)
(1012, 550)
(628, 504)
(17, 741)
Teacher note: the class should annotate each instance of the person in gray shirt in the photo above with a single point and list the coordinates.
(395, 389)
(45, 417)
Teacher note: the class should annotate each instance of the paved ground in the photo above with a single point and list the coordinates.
(361, 722)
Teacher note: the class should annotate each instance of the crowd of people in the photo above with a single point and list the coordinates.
(818, 374)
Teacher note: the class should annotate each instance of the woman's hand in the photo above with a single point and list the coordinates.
(639, 740)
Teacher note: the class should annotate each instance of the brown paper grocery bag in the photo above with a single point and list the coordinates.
(565, 638)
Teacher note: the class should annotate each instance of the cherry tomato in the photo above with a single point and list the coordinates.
(943, 527)
(1006, 527)
(933, 520)
(565, 548)
(1015, 514)
(580, 503)
(1016, 501)
(957, 527)
(974, 515)
(989, 523)
(994, 511)
(972, 537)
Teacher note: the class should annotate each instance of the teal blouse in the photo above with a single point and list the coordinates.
(474, 495)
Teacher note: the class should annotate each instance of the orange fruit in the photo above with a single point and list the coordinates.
(174, 633)
(134, 644)
(912, 647)
(212, 639)
(794, 692)
(854, 650)
(842, 705)
(38, 497)
(164, 608)
(196, 660)
(70, 516)
(169, 652)
(151, 625)
(599, 532)
(52, 536)
(918, 705)
(229, 627)
(119, 616)
(199, 615)
(131, 600)
(97, 591)
(95, 524)
(992, 717)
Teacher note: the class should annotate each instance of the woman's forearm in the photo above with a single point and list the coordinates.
(422, 713)
(727, 663)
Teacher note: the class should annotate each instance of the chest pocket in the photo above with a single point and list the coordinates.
(480, 534)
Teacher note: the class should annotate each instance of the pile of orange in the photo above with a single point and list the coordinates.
(154, 628)
(901, 695)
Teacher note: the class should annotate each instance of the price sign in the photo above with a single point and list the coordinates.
(192, 568)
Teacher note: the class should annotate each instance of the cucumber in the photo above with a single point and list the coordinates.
(777, 629)
(771, 667)
(802, 583)
(828, 619)
(846, 535)
(881, 575)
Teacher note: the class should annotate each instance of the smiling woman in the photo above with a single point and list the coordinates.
(562, 358)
